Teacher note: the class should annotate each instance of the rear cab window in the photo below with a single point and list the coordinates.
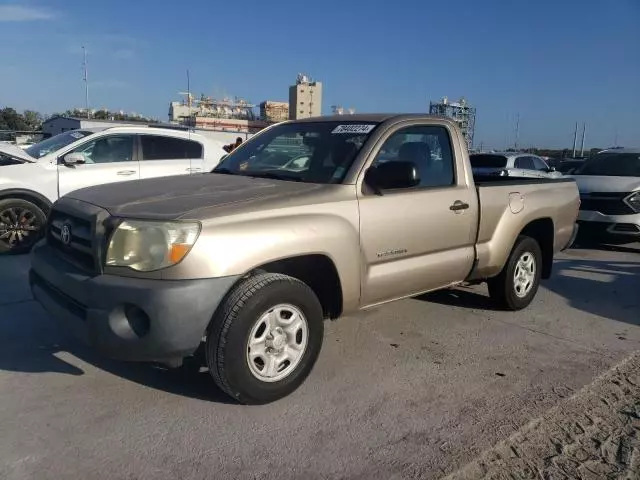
(488, 161)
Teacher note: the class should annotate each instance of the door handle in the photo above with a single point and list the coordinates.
(458, 205)
(126, 172)
(194, 169)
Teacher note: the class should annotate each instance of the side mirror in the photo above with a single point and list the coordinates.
(73, 159)
(392, 175)
(551, 169)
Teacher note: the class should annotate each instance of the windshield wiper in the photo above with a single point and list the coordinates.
(224, 171)
(274, 176)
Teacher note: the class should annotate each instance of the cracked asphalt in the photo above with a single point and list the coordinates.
(423, 388)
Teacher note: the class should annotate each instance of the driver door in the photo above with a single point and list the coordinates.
(108, 159)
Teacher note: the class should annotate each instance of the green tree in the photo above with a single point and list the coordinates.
(32, 119)
(12, 120)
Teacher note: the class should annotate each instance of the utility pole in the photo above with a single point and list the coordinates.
(85, 77)
(575, 139)
(584, 127)
(189, 94)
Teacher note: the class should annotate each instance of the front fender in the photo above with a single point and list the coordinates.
(29, 179)
(237, 248)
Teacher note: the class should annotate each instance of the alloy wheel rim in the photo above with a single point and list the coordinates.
(18, 226)
(277, 342)
(524, 274)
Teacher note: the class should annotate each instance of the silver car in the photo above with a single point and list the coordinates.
(512, 164)
(609, 185)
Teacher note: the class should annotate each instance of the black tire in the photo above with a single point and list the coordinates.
(228, 336)
(502, 288)
(13, 213)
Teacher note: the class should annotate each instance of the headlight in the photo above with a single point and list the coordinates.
(146, 246)
(633, 201)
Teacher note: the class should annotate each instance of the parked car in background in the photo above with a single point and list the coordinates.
(568, 165)
(609, 185)
(33, 178)
(512, 164)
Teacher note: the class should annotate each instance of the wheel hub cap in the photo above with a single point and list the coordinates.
(277, 342)
(524, 274)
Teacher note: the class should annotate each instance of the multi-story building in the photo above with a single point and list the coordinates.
(461, 112)
(305, 98)
(274, 112)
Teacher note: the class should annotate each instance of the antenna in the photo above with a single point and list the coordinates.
(85, 78)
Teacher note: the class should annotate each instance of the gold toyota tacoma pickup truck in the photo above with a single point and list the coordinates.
(308, 220)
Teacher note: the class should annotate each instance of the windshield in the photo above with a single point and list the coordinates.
(488, 161)
(612, 165)
(313, 152)
(55, 143)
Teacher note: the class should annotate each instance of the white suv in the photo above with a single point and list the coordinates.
(32, 179)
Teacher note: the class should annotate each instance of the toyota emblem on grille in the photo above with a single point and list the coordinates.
(65, 234)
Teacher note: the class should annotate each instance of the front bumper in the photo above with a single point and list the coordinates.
(610, 225)
(126, 318)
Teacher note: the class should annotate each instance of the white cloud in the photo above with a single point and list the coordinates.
(19, 13)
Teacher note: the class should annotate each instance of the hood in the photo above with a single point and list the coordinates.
(15, 151)
(605, 184)
(184, 196)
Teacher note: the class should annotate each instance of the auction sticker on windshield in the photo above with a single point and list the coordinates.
(353, 129)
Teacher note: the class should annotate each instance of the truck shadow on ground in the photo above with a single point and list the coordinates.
(608, 289)
(32, 342)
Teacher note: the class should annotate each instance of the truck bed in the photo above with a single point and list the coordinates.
(495, 181)
(508, 204)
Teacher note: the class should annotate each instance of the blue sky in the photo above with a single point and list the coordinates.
(553, 62)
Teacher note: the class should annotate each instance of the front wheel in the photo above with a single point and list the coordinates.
(21, 225)
(516, 285)
(265, 338)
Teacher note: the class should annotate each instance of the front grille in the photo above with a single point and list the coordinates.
(73, 236)
(605, 203)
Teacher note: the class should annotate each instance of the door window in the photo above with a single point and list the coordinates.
(539, 164)
(525, 163)
(156, 147)
(428, 148)
(112, 148)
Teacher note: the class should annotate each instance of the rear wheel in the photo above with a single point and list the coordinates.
(21, 225)
(265, 338)
(516, 285)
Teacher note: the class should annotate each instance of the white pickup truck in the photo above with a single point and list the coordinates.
(33, 178)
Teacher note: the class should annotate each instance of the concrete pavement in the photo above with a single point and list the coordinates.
(415, 389)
